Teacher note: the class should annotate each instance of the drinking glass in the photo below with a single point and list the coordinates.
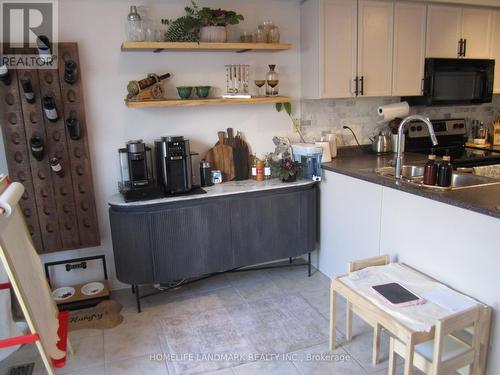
(259, 83)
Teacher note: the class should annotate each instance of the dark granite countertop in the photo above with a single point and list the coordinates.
(351, 161)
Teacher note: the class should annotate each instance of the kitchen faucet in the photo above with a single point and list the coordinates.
(399, 147)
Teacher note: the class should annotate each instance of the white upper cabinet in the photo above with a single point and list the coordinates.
(444, 31)
(477, 31)
(458, 32)
(496, 50)
(409, 49)
(339, 48)
(375, 34)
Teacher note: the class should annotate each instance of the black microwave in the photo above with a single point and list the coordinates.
(456, 81)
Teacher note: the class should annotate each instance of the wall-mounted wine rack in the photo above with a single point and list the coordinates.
(59, 209)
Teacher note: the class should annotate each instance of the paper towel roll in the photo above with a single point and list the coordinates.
(391, 111)
(10, 197)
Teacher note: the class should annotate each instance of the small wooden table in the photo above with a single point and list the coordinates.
(377, 317)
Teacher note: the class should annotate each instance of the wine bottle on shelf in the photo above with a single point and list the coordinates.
(37, 148)
(74, 129)
(56, 166)
(28, 90)
(44, 48)
(49, 107)
(70, 75)
(5, 75)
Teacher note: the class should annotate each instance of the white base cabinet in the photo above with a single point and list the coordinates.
(349, 222)
(456, 246)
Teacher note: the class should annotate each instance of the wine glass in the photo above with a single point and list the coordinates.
(259, 83)
(272, 84)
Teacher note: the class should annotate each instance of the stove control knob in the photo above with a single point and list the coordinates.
(413, 128)
(419, 128)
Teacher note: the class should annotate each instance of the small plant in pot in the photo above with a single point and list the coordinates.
(214, 22)
(286, 169)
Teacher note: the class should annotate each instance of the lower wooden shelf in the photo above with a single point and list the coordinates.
(209, 101)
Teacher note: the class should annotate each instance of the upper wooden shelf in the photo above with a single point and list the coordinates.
(204, 47)
(208, 101)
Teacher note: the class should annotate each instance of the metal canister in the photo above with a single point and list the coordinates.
(205, 173)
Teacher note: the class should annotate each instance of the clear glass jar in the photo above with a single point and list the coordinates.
(260, 35)
(272, 81)
(267, 26)
(273, 35)
(135, 32)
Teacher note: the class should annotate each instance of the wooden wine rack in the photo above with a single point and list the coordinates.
(60, 211)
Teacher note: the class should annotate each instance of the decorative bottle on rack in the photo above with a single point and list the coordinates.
(49, 108)
(272, 81)
(135, 33)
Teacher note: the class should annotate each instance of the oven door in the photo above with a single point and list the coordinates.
(458, 81)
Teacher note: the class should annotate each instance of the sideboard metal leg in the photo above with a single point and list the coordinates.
(309, 264)
(133, 289)
(291, 260)
(137, 298)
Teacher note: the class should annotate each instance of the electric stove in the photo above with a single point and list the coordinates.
(452, 136)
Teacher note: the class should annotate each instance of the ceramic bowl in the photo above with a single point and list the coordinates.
(61, 294)
(202, 91)
(92, 288)
(184, 91)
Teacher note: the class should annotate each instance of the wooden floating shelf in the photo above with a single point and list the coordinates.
(209, 101)
(204, 47)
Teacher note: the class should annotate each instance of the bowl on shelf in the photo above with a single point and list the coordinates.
(61, 294)
(202, 91)
(184, 91)
(92, 288)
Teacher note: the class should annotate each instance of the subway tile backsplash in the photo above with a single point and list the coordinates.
(360, 114)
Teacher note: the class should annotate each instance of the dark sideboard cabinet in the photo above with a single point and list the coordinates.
(164, 242)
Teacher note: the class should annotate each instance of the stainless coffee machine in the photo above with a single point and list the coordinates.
(173, 164)
(137, 181)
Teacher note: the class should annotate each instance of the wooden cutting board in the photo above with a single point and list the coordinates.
(221, 158)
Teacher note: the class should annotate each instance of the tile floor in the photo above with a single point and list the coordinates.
(240, 318)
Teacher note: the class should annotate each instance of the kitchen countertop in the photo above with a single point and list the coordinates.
(354, 163)
(227, 188)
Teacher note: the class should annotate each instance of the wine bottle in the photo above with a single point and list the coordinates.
(56, 166)
(28, 90)
(36, 146)
(49, 108)
(5, 75)
(70, 72)
(44, 50)
(74, 130)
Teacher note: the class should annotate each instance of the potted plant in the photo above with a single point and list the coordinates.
(286, 169)
(214, 22)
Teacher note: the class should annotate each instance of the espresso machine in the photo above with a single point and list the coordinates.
(137, 181)
(173, 164)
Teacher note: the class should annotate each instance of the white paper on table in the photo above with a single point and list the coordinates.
(449, 299)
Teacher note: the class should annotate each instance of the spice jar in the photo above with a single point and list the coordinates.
(260, 166)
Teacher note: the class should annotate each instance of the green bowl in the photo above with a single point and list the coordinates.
(202, 91)
(184, 91)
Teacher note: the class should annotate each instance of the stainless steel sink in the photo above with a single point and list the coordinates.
(407, 171)
(414, 175)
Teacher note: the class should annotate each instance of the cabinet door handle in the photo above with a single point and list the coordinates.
(460, 47)
(362, 82)
(355, 81)
(422, 86)
(465, 47)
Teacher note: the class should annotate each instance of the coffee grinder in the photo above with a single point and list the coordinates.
(137, 181)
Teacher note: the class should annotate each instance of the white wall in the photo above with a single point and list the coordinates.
(98, 27)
